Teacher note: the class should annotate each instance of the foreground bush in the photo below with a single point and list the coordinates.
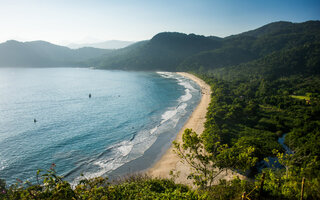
(52, 186)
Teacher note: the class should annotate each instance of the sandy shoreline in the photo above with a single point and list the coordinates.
(170, 161)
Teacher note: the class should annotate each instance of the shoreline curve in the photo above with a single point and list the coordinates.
(170, 161)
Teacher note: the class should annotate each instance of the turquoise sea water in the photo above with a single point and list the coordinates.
(128, 113)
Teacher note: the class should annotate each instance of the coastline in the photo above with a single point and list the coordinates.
(163, 140)
(170, 161)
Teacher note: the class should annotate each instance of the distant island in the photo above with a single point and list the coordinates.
(110, 44)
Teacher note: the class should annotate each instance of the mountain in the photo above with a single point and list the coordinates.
(301, 61)
(44, 54)
(283, 27)
(110, 44)
(255, 44)
(171, 51)
(163, 52)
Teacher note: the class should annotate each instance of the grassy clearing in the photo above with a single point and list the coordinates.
(301, 97)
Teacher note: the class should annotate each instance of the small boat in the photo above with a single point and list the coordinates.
(90, 95)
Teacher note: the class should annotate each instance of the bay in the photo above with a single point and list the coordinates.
(127, 113)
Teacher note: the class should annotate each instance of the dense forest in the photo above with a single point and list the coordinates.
(256, 103)
(265, 86)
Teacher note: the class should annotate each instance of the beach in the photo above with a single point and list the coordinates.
(170, 161)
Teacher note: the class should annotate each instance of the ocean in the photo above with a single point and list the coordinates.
(46, 116)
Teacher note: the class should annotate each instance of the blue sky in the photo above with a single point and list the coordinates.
(67, 21)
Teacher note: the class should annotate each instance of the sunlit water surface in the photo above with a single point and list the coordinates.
(125, 115)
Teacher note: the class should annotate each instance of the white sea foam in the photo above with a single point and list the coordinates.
(183, 106)
(171, 113)
(168, 114)
(117, 156)
(185, 83)
(3, 164)
(104, 165)
(181, 81)
(167, 74)
(125, 148)
(186, 97)
(154, 129)
(126, 151)
(121, 153)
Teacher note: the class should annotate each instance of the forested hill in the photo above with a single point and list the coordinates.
(302, 60)
(180, 52)
(163, 52)
(44, 54)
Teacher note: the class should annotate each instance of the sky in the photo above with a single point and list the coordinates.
(88, 21)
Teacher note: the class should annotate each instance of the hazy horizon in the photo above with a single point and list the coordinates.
(63, 23)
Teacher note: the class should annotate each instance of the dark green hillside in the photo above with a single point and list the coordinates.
(218, 58)
(268, 94)
(180, 52)
(163, 52)
(256, 44)
(276, 36)
(301, 60)
(282, 27)
(44, 54)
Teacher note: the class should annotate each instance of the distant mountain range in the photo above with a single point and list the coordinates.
(110, 44)
(45, 54)
(172, 51)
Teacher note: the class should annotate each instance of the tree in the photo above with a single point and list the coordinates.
(206, 166)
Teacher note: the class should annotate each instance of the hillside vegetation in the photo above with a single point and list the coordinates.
(255, 103)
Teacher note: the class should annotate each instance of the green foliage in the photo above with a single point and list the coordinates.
(206, 166)
(228, 189)
(301, 97)
(3, 190)
(286, 183)
(52, 187)
(254, 103)
(218, 58)
(298, 60)
(255, 112)
(135, 187)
